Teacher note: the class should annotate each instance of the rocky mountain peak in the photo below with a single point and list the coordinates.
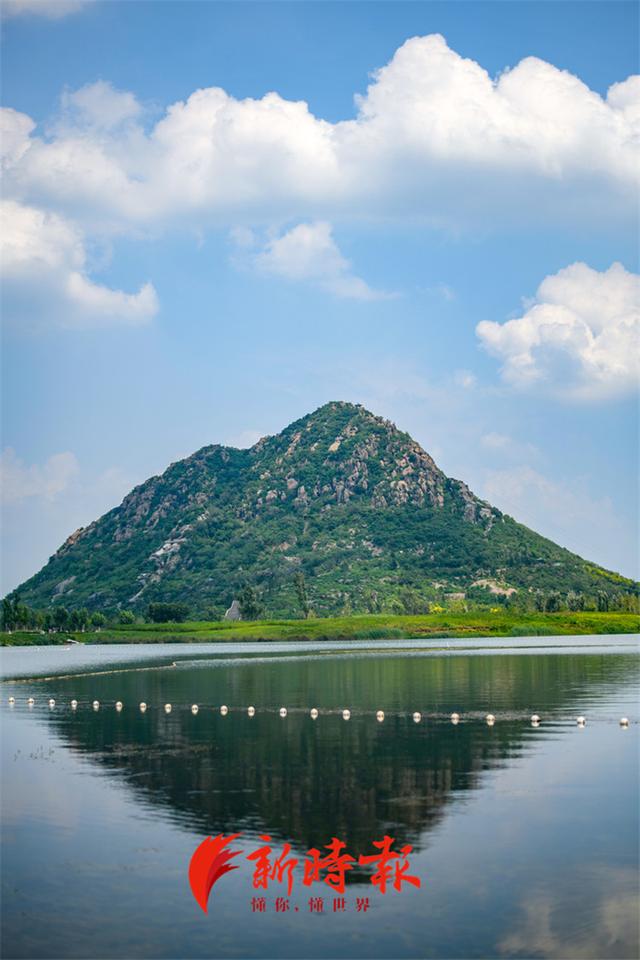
(343, 450)
(341, 496)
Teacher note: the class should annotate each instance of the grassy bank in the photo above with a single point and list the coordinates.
(366, 627)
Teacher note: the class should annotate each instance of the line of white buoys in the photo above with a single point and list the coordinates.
(313, 713)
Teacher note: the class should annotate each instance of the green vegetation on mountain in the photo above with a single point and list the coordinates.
(340, 513)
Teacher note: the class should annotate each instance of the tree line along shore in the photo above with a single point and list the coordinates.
(494, 622)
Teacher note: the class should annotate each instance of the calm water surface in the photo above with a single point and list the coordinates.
(525, 839)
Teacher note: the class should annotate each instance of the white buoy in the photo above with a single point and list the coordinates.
(283, 711)
(624, 721)
(167, 708)
(52, 702)
(12, 700)
(313, 713)
(30, 702)
(380, 716)
(224, 710)
(417, 717)
(346, 714)
(74, 704)
(490, 719)
(96, 704)
(251, 711)
(455, 718)
(143, 707)
(535, 719)
(581, 721)
(194, 708)
(118, 705)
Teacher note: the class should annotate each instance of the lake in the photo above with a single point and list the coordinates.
(524, 838)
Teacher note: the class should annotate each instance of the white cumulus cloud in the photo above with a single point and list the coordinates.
(434, 139)
(19, 481)
(308, 252)
(97, 106)
(44, 276)
(434, 136)
(579, 337)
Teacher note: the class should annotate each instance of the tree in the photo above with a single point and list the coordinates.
(79, 619)
(126, 617)
(554, 602)
(8, 615)
(603, 601)
(22, 614)
(412, 602)
(301, 593)
(250, 606)
(373, 602)
(166, 612)
(98, 620)
(15, 615)
(60, 618)
(575, 601)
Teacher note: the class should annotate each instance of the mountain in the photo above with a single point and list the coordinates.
(340, 496)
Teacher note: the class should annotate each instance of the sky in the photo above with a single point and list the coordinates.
(219, 216)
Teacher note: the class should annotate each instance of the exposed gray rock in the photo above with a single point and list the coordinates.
(233, 613)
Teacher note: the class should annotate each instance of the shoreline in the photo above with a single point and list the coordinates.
(31, 664)
(346, 629)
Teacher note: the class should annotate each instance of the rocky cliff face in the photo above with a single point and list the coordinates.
(342, 496)
(341, 452)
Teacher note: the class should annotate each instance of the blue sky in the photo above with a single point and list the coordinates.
(456, 249)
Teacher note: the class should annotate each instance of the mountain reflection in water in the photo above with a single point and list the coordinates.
(427, 784)
(304, 780)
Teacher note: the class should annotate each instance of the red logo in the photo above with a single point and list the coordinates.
(209, 862)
